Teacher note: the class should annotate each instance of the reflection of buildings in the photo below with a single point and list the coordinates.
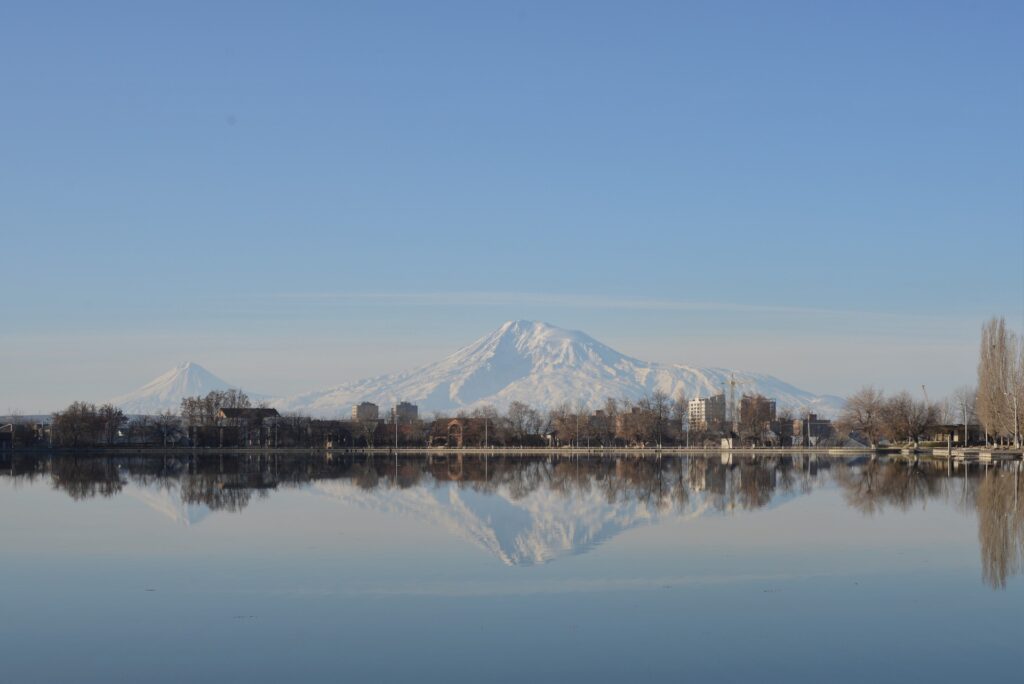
(531, 510)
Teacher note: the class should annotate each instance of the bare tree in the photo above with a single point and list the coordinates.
(863, 414)
(784, 418)
(660, 406)
(111, 419)
(904, 417)
(519, 418)
(755, 417)
(167, 426)
(77, 425)
(202, 410)
(680, 414)
(1000, 397)
(562, 422)
(492, 425)
(606, 421)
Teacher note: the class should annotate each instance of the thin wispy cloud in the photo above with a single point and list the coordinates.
(578, 301)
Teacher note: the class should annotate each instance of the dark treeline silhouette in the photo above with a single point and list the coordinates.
(730, 482)
(655, 420)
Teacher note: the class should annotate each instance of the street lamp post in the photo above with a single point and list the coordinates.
(808, 430)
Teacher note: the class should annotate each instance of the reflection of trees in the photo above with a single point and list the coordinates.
(215, 492)
(85, 478)
(1000, 526)
(875, 484)
(757, 484)
(859, 486)
(366, 475)
(230, 482)
(410, 474)
(995, 495)
(680, 491)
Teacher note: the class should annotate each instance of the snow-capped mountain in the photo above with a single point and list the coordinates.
(539, 527)
(166, 392)
(518, 530)
(546, 523)
(543, 366)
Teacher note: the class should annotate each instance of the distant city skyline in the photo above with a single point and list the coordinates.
(296, 197)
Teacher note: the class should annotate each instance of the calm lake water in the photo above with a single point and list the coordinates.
(290, 568)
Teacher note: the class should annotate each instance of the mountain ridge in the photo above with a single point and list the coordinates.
(543, 365)
(529, 361)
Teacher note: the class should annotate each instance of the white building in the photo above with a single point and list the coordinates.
(709, 412)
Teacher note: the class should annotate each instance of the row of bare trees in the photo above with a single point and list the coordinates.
(85, 424)
(997, 402)
(652, 419)
(874, 416)
(202, 410)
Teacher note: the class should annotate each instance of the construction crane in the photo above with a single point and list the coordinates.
(732, 412)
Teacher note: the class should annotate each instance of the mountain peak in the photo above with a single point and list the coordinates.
(542, 365)
(187, 379)
(525, 329)
(191, 367)
(523, 326)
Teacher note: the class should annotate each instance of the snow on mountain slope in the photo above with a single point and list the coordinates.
(542, 365)
(166, 392)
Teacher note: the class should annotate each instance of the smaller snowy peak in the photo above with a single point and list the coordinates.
(165, 392)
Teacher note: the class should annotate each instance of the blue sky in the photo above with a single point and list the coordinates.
(298, 194)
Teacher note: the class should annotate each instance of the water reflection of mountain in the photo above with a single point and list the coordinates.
(527, 511)
(167, 498)
(531, 512)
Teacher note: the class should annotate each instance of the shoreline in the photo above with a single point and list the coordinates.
(924, 453)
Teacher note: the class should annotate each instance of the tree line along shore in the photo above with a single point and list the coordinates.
(987, 414)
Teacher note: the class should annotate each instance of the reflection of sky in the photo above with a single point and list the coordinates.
(303, 584)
